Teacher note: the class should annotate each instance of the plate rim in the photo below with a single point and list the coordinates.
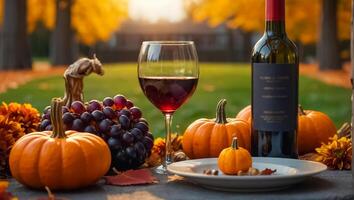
(321, 168)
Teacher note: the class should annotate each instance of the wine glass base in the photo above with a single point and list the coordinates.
(161, 170)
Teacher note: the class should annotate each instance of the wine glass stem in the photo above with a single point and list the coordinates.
(169, 150)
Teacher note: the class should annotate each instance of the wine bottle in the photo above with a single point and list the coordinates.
(275, 77)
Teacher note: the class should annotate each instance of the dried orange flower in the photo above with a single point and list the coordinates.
(337, 154)
(15, 121)
(24, 114)
(10, 132)
(158, 150)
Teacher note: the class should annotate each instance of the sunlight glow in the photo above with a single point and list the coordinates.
(155, 10)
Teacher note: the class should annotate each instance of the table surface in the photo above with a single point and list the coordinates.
(327, 185)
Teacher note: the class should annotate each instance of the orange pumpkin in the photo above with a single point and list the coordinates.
(234, 159)
(208, 137)
(57, 159)
(314, 127)
(245, 114)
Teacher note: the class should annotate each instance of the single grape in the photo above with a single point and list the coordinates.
(128, 138)
(136, 113)
(44, 124)
(94, 105)
(148, 143)
(117, 113)
(149, 135)
(116, 131)
(47, 110)
(144, 121)
(46, 116)
(140, 148)
(109, 112)
(68, 118)
(129, 104)
(141, 159)
(86, 117)
(142, 126)
(65, 109)
(90, 129)
(119, 101)
(124, 122)
(108, 102)
(49, 127)
(131, 152)
(125, 112)
(78, 125)
(138, 135)
(114, 144)
(105, 125)
(98, 115)
(78, 107)
(121, 158)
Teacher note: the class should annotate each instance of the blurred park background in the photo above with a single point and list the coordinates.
(38, 38)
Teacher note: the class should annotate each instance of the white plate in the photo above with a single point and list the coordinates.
(289, 172)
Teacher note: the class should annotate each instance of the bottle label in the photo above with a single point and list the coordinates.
(275, 96)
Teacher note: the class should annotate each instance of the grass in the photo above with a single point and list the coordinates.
(217, 80)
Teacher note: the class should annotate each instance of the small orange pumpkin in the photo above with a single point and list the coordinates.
(314, 127)
(208, 137)
(234, 159)
(57, 159)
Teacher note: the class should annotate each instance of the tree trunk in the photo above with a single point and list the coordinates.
(14, 46)
(247, 45)
(327, 46)
(352, 63)
(230, 47)
(62, 38)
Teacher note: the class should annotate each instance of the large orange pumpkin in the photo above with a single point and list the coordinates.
(314, 127)
(58, 159)
(208, 137)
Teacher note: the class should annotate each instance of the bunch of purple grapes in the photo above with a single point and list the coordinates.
(117, 121)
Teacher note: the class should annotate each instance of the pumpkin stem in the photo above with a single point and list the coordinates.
(234, 144)
(301, 110)
(220, 112)
(56, 118)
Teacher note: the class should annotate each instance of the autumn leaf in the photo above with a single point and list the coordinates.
(131, 177)
(268, 171)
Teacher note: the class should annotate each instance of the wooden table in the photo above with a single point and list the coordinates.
(328, 185)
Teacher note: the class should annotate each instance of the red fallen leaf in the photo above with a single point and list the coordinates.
(131, 177)
(268, 171)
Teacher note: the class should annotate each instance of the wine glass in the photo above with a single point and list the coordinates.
(168, 75)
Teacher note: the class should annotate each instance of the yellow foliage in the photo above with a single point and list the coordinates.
(91, 20)
(302, 16)
(96, 20)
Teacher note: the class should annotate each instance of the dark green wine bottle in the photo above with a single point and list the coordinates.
(275, 77)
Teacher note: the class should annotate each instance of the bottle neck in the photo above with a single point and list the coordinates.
(275, 17)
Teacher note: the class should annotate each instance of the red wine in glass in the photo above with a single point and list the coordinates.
(168, 74)
(168, 93)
